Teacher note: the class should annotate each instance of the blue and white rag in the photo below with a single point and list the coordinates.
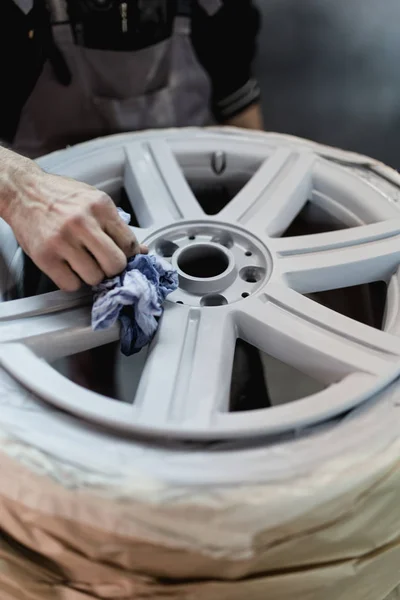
(135, 297)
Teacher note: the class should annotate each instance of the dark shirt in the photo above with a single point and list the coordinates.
(224, 42)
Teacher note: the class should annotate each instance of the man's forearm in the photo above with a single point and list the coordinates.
(250, 118)
(17, 173)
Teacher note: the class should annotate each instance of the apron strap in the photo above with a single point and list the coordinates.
(58, 11)
(183, 17)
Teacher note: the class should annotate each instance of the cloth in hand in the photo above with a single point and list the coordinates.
(135, 298)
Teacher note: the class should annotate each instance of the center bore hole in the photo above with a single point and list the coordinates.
(203, 261)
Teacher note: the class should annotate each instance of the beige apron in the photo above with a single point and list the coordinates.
(114, 91)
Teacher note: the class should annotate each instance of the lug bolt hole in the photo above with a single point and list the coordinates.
(213, 300)
(248, 253)
(191, 237)
(251, 274)
(223, 239)
(245, 295)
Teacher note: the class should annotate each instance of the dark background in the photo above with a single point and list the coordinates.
(330, 71)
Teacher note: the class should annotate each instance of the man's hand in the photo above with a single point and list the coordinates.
(72, 231)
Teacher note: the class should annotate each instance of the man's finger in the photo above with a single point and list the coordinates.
(106, 214)
(63, 276)
(84, 265)
(123, 236)
(109, 256)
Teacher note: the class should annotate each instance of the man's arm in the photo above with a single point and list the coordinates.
(225, 44)
(249, 118)
(71, 230)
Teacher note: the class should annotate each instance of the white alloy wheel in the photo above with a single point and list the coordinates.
(238, 278)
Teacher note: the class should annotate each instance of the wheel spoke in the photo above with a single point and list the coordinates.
(56, 334)
(156, 185)
(268, 203)
(314, 339)
(44, 304)
(339, 259)
(188, 371)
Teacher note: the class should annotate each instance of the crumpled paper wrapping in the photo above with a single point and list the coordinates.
(345, 548)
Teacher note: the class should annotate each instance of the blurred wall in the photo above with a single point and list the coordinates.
(330, 71)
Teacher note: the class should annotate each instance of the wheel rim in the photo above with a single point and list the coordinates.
(257, 293)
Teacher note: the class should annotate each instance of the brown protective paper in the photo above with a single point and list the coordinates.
(21, 582)
(354, 554)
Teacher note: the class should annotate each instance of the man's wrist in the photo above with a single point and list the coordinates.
(234, 103)
(250, 118)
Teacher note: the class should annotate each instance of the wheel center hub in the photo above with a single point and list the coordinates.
(217, 263)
